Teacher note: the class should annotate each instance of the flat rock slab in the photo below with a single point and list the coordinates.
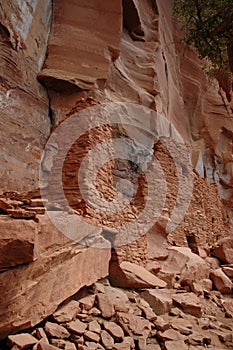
(159, 300)
(44, 346)
(55, 330)
(114, 330)
(224, 250)
(105, 305)
(133, 324)
(228, 306)
(130, 275)
(77, 327)
(92, 336)
(175, 345)
(228, 271)
(46, 283)
(189, 303)
(170, 334)
(22, 341)
(106, 340)
(67, 313)
(221, 281)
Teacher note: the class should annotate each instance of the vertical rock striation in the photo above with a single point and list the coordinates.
(24, 122)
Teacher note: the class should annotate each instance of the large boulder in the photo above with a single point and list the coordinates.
(130, 275)
(189, 303)
(159, 300)
(224, 250)
(221, 281)
(60, 267)
(183, 262)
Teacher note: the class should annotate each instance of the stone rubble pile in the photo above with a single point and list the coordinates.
(180, 301)
(187, 305)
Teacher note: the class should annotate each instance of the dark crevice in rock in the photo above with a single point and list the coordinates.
(50, 114)
(131, 21)
(4, 33)
(192, 243)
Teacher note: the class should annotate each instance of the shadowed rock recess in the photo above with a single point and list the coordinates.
(80, 288)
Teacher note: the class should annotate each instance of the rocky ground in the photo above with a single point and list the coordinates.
(183, 302)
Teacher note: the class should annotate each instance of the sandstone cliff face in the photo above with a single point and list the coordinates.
(25, 124)
(201, 105)
(98, 53)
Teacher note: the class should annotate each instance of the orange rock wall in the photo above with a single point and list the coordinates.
(101, 52)
(24, 106)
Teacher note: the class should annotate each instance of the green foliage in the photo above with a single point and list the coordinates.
(208, 25)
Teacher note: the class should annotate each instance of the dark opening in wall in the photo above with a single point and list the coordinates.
(131, 21)
(192, 243)
(2, 212)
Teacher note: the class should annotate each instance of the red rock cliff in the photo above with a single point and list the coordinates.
(57, 60)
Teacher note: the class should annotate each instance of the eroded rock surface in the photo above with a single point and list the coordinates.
(24, 105)
(111, 52)
(134, 329)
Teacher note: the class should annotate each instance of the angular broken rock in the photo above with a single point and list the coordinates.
(224, 250)
(180, 326)
(87, 302)
(176, 261)
(161, 324)
(159, 300)
(141, 343)
(91, 336)
(212, 262)
(133, 325)
(130, 275)
(63, 344)
(94, 326)
(94, 312)
(175, 345)
(222, 283)
(77, 327)
(228, 271)
(228, 307)
(170, 334)
(182, 261)
(40, 334)
(106, 340)
(116, 295)
(153, 347)
(195, 268)
(147, 311)
(189, 303)
(105, 305)
(198, 339)
(44, 346)
(56, 330)
(121, 346)
(206, 284)
(67, 313)
(22, 341)
(224, 336)
(114, 330)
